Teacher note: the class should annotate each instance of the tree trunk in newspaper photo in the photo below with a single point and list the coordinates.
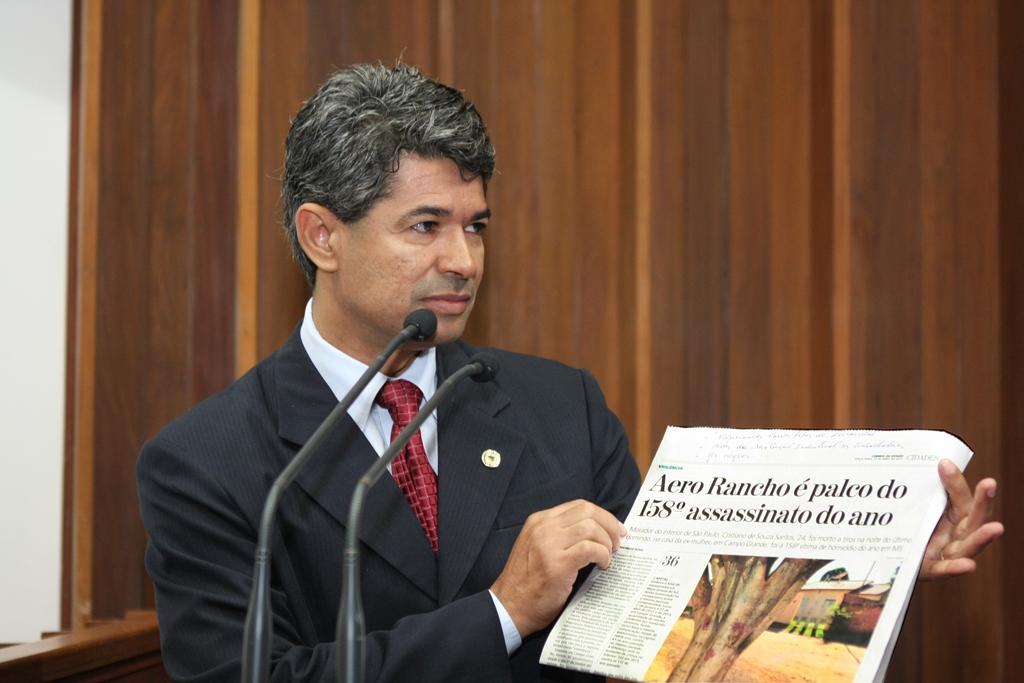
(732, 606)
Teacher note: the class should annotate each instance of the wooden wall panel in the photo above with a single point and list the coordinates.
(885, 230)
(742, 213)
(705, 257)
(247, 185)
(791, 237)
(669, 184)
(626, 345)
(555, 223)
(641, 120)
(960, 294)
(510, 267)
(161, 278)
(122, 288)
(823, 169)
(738, 251)
(925, 319)
(748, 119)
(213, 195)
(1010, 466)
(72, 378)
(281, 289)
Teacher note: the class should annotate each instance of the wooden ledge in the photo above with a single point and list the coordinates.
(104, 652)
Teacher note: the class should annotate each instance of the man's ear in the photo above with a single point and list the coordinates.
(315, 226)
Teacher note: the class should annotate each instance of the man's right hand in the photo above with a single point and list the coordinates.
(547, 556)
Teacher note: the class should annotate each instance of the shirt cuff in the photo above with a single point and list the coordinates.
(508, 627)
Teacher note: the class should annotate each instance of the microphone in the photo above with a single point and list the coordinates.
(419, 325)
(351, 627)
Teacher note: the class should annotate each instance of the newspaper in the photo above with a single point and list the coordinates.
(762, 555)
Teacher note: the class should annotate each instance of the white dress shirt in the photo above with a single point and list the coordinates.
(341, 371)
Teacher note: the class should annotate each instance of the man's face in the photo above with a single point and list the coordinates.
(421, 246)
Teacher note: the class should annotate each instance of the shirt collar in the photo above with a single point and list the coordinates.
(341, 371)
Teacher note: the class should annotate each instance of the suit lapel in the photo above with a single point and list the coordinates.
(469, 494)
(389, 527)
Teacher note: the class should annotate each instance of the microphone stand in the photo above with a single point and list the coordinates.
(351, 626)
(259, 628)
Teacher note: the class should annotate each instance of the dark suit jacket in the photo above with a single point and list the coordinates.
(203, 480)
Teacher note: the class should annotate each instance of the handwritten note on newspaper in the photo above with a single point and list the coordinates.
(762, 555)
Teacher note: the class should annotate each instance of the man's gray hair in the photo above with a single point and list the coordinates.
(344, 144)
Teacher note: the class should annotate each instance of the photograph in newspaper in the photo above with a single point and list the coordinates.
(766, 619)
(762, 555)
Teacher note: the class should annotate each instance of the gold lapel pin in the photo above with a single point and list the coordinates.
(490, 458)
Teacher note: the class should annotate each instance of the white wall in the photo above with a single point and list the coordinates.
(35, 86)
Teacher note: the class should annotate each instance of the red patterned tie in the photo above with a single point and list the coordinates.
(410, 469)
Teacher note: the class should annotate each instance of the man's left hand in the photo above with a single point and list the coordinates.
(965, 528)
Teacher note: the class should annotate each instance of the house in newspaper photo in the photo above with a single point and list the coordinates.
(835, 610)
(770, 619)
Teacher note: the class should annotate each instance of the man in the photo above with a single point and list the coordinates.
(473, 546)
